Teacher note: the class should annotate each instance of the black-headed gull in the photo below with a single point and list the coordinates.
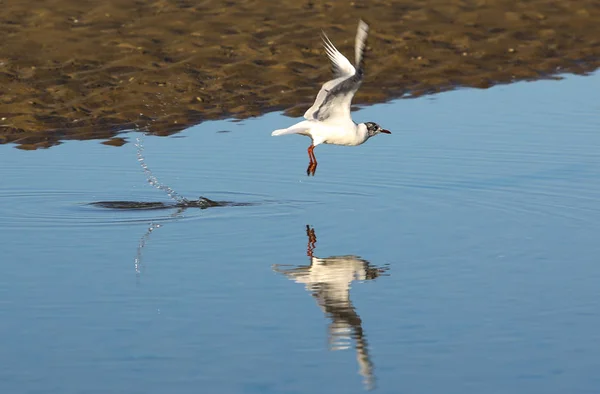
(328, 121)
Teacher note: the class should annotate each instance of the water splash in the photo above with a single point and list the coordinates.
(137, 261)
(151, 178)
(181, 203)
(153, 181)
(179, 200)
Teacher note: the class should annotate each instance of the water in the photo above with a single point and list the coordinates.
(457, 255)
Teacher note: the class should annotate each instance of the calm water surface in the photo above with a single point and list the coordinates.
(458, 255)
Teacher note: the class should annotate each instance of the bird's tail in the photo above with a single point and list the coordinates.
(291, 130)
(279, 132)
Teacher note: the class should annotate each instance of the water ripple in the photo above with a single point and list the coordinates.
(54, 208)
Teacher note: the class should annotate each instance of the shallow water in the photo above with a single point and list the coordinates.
(468, 240)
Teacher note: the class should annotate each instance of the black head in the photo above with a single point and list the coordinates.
(374, 129)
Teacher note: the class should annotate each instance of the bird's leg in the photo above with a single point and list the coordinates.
(312, 165)
(310, 160)
(312, 240)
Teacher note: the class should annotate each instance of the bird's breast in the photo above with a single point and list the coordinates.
(340, 135)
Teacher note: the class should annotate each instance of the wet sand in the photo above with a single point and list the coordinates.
(88, 69)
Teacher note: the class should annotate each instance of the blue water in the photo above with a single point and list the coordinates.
(458, 255)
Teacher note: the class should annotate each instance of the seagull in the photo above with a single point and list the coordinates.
(328, 121)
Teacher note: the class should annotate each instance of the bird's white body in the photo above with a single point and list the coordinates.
(334, 131)
(328, 121)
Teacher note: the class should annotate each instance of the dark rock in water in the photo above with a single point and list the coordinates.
(201, 203)
(132, 205)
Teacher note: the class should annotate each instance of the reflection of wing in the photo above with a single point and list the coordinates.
(335, 96)
(328, 280)
(345, 326)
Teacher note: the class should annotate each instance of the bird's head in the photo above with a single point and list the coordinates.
(374, 129)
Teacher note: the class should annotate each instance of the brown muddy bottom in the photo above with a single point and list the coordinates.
(86, 70)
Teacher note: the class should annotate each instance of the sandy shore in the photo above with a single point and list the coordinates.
(89, 69)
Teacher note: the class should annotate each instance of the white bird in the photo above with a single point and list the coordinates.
(328, 121)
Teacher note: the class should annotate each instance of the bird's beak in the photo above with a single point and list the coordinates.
(386, 131)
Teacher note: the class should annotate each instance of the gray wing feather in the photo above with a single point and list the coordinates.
(335, 97)
(361, 39)
(337, 100)
(339, 69)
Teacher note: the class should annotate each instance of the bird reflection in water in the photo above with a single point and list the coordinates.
(328, 280)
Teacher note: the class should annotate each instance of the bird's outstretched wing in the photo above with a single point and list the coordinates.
(335, 96)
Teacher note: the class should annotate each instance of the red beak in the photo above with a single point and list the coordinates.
(386, 132)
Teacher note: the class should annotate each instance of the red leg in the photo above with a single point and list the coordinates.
(312, 165)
